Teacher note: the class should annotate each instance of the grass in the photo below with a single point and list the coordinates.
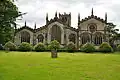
(77, 66)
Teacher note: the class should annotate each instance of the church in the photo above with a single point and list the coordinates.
(91, 29)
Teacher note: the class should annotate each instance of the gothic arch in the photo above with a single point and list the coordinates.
(25, 36)
(56, 33)
(98, 38)
(72, 38)
(40, 38)
(50, 31)
(85, 37)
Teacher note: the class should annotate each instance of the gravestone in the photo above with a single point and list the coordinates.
(54, 53)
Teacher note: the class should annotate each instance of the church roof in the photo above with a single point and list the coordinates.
(41, 28)
(93, 17)
(25, 27)
(71, 28)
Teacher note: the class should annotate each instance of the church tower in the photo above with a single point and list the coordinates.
(65, 18)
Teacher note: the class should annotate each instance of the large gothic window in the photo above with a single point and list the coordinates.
(98, 38)
(85, 37)
(25, 37)
(40, 38)
(72, 38)
(56, 33)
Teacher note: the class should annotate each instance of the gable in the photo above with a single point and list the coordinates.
(99, 25)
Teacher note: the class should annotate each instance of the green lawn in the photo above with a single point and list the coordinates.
(77, 66)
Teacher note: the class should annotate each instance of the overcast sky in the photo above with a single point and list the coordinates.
(37, 9)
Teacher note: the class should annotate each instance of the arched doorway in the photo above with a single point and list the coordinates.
(40, 38)
(72, 38)
(56, 33)
(25, 37)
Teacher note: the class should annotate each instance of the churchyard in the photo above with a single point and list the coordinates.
(68, 66)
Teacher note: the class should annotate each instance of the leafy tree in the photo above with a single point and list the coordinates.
(8, 15)
(54, 45)
(112, 32)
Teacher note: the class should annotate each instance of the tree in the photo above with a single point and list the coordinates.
(8, 15)
(54, 46)
(112, 32)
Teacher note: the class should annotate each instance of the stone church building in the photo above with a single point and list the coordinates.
(90, 29)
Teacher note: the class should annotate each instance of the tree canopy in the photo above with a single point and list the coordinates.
(8, 14)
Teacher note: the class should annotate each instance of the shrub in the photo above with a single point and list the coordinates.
(71, 47)
(10, 46)
(88, 48)
(39, 47)
(54, 45)
(25, 47)
(105, 47)
(118, 48)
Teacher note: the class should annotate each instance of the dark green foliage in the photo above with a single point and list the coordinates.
(39, 47)
(71, 47)
(25, 47)
(8, 14)
(54, 45)
(118, 48)
(105, 47)
(88, 48)
(10, 46)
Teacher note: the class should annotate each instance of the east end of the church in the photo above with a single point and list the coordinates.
(91, 29)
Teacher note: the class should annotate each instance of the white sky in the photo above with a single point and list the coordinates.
(37, 9)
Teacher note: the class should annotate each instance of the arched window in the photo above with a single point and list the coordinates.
(85, 37)
(40, 38)
(98, 39)
(25, 37)
(56, 33)
(72, 38)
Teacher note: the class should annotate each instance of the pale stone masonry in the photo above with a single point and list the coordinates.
(91, 29)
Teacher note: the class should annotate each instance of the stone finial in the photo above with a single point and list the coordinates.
(59, 14)
(25, 24)
(92, 12)
(46, 18)
(70, 13)
(78, 18)
(56, 14)
(105, 17)
(35, 26)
